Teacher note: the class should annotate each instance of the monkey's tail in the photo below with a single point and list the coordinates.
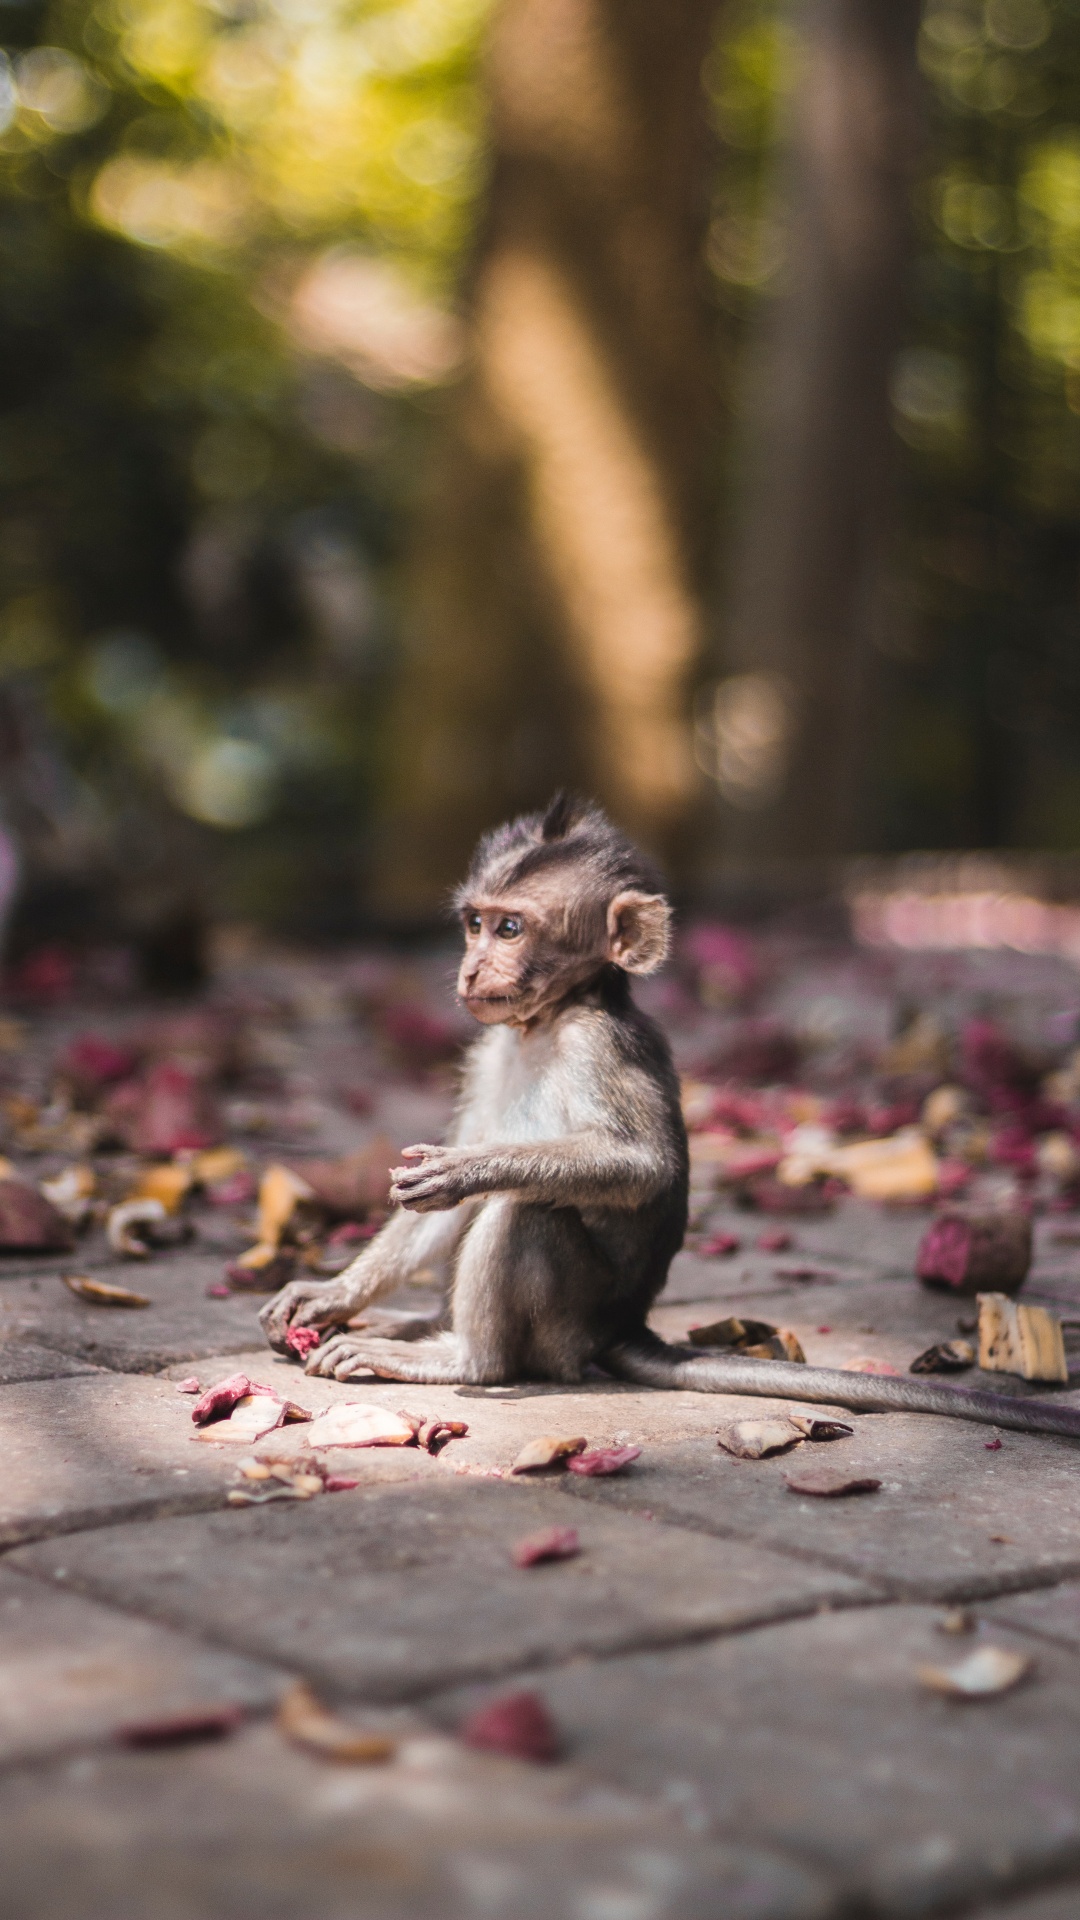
(651, 1362)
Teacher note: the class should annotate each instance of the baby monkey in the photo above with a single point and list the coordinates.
(560, 1199)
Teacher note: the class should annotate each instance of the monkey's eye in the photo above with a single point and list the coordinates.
(509, 927)
(473, 923)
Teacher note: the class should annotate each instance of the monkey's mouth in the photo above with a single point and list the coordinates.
(488, 999)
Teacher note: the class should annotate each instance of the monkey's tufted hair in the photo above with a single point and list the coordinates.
(571, 838)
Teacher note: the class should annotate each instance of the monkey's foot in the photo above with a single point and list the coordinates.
(434, 1362)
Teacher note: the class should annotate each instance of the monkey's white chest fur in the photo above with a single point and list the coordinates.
(522, 1088)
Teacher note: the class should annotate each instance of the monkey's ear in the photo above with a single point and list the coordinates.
(639, 931)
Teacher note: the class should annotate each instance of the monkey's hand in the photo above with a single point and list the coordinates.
(306, 1303)
(442, 1177)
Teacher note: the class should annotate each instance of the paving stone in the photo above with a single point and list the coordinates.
(22, 1360)
(1051, 1612)
(72, 1671)
(104, 1448)
(952, 1519)
(181, 1324)
(392, 1591)
(816, 1735)
(251, 1829)
(1053, 1903)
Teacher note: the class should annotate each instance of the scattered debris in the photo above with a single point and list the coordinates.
(265, 1274)
(168, 1182)
(177, 1729)
(777, 1241)
(218, 1402)
(812, 1428)
(548, 1451)
(603, 1461)
(263, 1480)
(191, 1385)
(825, 1484)
(970, 1252)
(254, 1414)
(866, 1363)
(902, 1167)
(29, 1223)
(99, 1293)
(756, 1439)
(957, 1620)
(759, 1338)
(129, 1227)
(987, 1671)
(360, 1423)
(516, 1724)
(72, 1193)
(719, 1246)
(557, 1543)
(950, 1356)
(302, 1340)
(433, 1435)
(1025, 1340)
(303, 1719)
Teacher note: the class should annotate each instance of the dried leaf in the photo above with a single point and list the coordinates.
(304, 1720)
(549, 1450)
(218, 1402)
(756, 1439)
(28, 1221)
(517, 1724)
(98, 1293)
(171, 1730)
(302, 1340)
(1020, 1339)
(986, 1671)
(951, 1356)
(604, 1460)
(360, 1423)
(824, 1484)
(556, 1543)
(122, 1228)
(814, 1429)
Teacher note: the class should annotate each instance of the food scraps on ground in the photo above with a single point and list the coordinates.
(29, 1222)
(360, 1423)
(949, 1356)
(867, 1363)
(1025, 1340)
(756, 1439)
(759, 1338)
(260, 1270)
(814, 1429)
(170, 1182)
(254, 1414)
(602, 1461)
(777, 1241)
(99, 1293)
(719, 1246)
(556, 1543)
(176, 1729)
(516, 1724)
(218, 1402)
(968, 1252)
(986, 1671)
(824, 1483)
(191, 1385)
(902, 1167)
(303, 1719)
(130, 1227)
(548, 1450)
(956, 1620)
(263, 1480)
(72, 1193)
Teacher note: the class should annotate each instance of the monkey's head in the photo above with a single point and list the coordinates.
(550, 901)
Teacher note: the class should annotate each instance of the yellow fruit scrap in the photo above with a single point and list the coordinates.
(1020, 1339)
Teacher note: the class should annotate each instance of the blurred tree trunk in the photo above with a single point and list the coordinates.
(790, 721)
(556, 597)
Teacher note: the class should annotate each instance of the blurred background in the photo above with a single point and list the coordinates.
(406, 408)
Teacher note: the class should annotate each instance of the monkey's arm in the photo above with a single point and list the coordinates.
(588, 1169)
(404, 1246)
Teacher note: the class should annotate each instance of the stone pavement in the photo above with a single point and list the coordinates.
(731, 1667)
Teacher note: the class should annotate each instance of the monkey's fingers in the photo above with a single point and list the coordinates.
(303, 1303)
(418, 1152)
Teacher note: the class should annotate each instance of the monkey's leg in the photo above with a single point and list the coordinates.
(650, 1362)
(434, 1362)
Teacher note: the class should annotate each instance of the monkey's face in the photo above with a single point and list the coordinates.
(524, 955)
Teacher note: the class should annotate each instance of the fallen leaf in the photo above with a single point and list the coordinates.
(171, 1730)
(217, 1402)
(301, 1340)
(360, 1423)
(98, 1293)
(29, 1222)
(517, 1724)
(604, 1460)
(128, 1226)
(756, 1439)
(826, 1485)
(987, 1671)
(549, 1450)
(303, 1719)
(557, 1543)
(191, 1385)
(950, 1356)
(814, 1429)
